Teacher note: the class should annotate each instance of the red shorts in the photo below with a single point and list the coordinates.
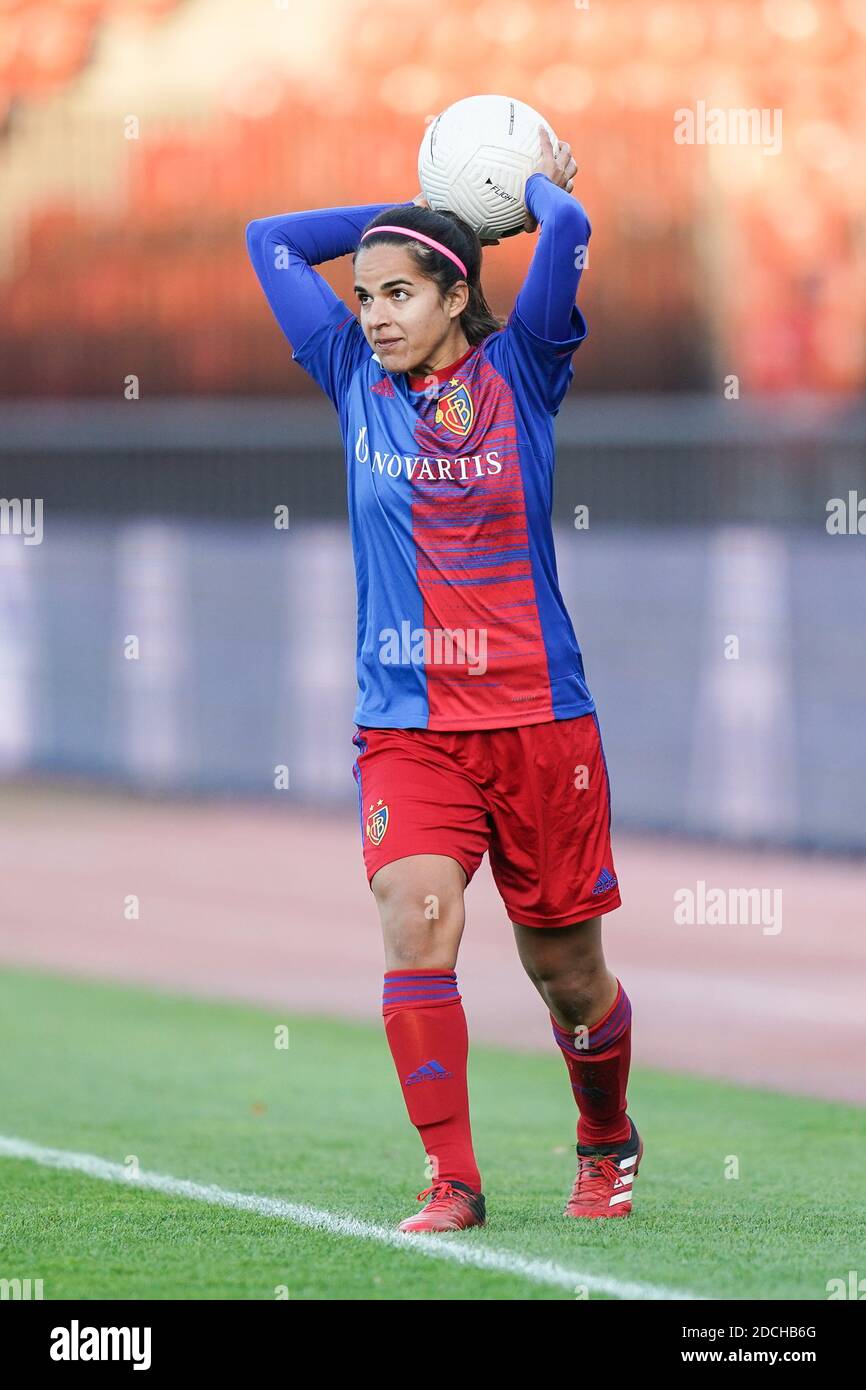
(537, 797)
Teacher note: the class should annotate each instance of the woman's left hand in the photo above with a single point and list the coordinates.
(560, 168)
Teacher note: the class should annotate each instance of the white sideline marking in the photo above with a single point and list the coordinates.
(479, 1257)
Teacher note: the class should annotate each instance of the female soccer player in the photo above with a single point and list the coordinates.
(475, 728)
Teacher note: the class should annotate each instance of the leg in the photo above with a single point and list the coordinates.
(420, 900)
(551, 858)
(424, 828)
(591, 1018)
(567, 967)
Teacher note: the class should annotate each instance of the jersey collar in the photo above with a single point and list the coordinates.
(417, 383)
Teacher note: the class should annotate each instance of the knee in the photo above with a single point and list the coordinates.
(406, 903)
(570, 999)
(420, 929)
(572, 994)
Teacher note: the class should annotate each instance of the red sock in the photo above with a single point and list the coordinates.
(599, 1072)
(426, 1030)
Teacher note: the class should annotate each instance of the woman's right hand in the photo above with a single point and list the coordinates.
(421, 202)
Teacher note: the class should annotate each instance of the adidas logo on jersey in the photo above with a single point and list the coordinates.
(385, 387)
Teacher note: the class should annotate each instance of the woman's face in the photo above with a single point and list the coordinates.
(404, 320)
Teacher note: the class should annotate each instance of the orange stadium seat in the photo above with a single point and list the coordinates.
(43, 50)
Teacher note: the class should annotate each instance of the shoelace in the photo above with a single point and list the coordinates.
(593, 1169)
(440, 1191)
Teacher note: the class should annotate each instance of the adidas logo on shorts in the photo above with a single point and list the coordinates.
(604, 881)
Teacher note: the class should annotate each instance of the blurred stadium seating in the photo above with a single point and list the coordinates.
(705, 260)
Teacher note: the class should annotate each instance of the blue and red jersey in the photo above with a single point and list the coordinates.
(461, 624)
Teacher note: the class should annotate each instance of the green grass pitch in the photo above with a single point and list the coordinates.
(198, 1090)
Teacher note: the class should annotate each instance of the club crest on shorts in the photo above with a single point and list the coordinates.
(377, 823)
(455, 410)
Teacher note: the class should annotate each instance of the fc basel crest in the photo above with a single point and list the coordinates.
(455, 409)
(377, 823)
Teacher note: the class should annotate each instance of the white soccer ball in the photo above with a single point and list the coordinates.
(475, 159)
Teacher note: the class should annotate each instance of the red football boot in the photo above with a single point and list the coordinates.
(605, 1175)
(452, 1207)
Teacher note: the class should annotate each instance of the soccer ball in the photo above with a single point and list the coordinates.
(475, 159)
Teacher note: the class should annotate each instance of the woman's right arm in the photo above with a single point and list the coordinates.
(284, 249)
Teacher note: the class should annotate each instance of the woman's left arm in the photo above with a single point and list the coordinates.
(546, 299)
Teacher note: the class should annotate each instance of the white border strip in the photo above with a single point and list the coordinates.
(435, 1247)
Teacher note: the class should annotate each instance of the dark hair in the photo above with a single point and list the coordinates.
(477, 320)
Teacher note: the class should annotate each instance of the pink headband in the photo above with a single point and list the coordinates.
(419, 236)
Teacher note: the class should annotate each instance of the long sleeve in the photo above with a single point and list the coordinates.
(535, 349)
(284, 249)
(546, 299)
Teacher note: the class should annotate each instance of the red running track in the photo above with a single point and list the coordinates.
(271, 906)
